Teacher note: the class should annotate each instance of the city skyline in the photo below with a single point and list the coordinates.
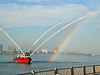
(12, 50)
(27, 20)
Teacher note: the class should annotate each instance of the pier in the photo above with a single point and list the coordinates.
(80, 70)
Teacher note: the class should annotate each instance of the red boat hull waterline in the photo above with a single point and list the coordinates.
(22, 60)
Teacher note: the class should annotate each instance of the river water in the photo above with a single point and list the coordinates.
(40, 62)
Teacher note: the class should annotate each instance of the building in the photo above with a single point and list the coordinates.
(11, 50)
(1, 47)
(56, 50)
(45, 51)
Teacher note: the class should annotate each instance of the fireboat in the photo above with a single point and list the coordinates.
(23, 58)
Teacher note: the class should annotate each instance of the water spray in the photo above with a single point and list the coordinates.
(81, 18)
(12, 40)
(46, 33)
(1, 29)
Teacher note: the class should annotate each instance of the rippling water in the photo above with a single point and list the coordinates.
(40, 62)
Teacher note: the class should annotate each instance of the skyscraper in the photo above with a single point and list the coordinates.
(1, 47)
(11, 49)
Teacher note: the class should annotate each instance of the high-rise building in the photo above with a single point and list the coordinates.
(1, 47)
(56, 50)
(11, 49)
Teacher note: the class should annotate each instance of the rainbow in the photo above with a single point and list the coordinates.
(66, 40)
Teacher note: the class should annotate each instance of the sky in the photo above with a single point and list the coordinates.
(26, 20)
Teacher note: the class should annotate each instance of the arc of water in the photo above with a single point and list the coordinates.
(83, 17)
(12, 40)
(1, 29)
(46, 33)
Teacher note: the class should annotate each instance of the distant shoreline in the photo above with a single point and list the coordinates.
(51, 53)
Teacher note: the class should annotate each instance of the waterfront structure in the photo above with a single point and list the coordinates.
(80, 70)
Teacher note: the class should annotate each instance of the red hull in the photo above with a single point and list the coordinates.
(22, 60)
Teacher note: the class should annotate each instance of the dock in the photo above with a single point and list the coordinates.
(80, 70)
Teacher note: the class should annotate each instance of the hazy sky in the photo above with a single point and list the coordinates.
(26, 20)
